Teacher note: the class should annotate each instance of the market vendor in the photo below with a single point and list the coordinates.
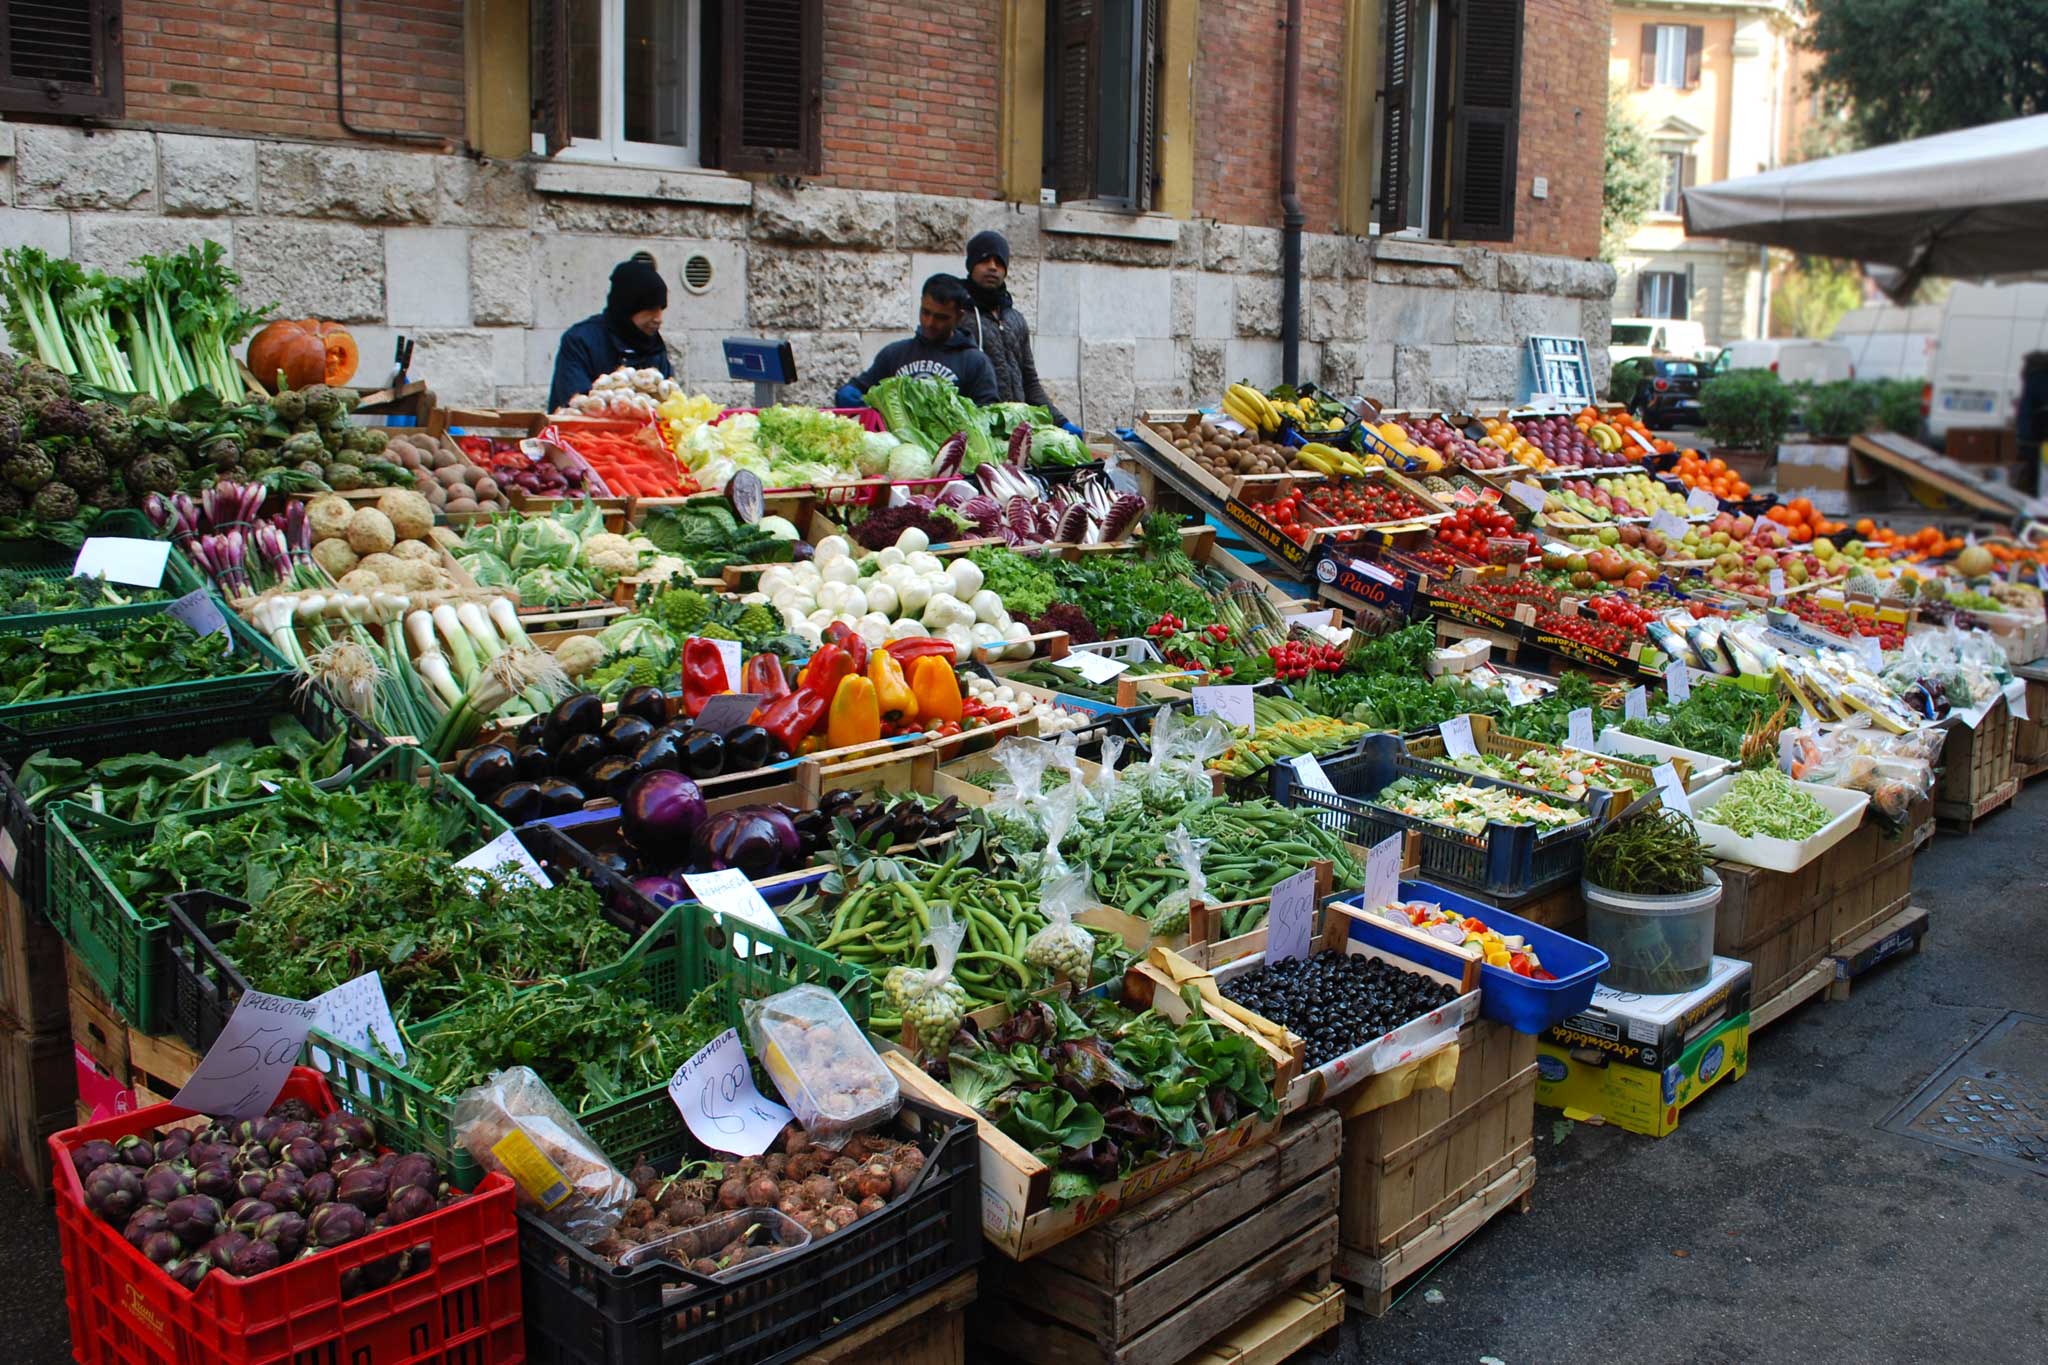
(995, 325)
(627, 332)
(938, 347)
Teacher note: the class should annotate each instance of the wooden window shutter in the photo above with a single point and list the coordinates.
(1146, 114)
(551, 73)
(1398, 105)
(1487, 118)
(1686, 166)
(772, 89)
(1075, 57)
(1695, 51)
(1646, 62)
(1642, 293)
(61, 57)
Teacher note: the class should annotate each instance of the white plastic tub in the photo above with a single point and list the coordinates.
(1705, 768)
(1655, 945)
(1779, 855)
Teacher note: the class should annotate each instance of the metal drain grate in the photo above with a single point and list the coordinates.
(1991, 1101)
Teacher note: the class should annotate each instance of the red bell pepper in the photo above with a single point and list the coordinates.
(828, 667)
(790, 719)
(703, 674)
(908, 652)
(843, 635)
(765, 678)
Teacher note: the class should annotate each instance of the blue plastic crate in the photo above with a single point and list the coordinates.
(1522, 1003)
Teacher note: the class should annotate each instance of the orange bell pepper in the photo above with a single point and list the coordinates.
(937, 689)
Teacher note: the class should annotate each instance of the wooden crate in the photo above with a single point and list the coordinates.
(31, 965)
(1409, 1164)
(159, 1064)
(2030, 736)
(99, 1036)
(1154, 1285)
(1757, 904)
(931, 1329)
(38, 1097)
(1976, 769)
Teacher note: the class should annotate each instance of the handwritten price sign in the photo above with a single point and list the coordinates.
(714, 1091)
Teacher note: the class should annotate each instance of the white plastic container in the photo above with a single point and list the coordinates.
(1705, 768)
(1779, 855)
(1655, 945)
(826, 1069)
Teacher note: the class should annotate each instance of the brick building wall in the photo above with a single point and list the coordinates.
(910, 97)
(1240, 62)
(268, 66)
(1563, 130)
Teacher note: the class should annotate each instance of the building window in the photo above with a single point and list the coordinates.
(1662, 294)
(61, 57)
(1671, 55)
(1449, 114)
(1102, 102)
(736, 84)
(1678, 166)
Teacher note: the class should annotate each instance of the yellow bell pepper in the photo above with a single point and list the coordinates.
(855, 717)
(892, 689)
(937, 689)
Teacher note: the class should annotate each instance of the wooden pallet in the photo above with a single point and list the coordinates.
(1956, 817)
(1375, 1282)
(1899, 936)
(931, 1329)
(1814, 982)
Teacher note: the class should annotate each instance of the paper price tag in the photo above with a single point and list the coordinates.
(1096, 668)
(1636, 706)
(1291, 916)
(1372, 570)
(196, 609)
(508, 858)
(356, 1013)
(1529, 495)
(1308, 768)
(1457, 736)
(1647, 446)
(727, 712)
(1383, 872)
(2016, 698)
(1464, 497)
(1677, 681)
(729, 656)
(728, 892)
(1665, 524)
(714, 1091)
(1232, 704)
(121, 559)
(1558, 547)
(1670, 790)
(248, 1064)
(2041, 577)
(1777, 583)
(1579, 728)
(1700, 500)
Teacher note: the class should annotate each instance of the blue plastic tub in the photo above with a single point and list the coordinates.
(1522, 1003)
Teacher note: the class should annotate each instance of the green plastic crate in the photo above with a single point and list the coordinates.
(122, 944)
(685, 952)
(48, 559)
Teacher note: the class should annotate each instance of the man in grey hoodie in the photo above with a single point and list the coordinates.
(995, 325)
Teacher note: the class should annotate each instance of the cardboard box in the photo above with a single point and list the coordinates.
(1636, 1061)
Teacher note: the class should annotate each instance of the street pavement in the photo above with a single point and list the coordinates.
(1776, 1224)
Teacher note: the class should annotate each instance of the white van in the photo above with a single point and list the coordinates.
(1793, 359)
(1629, 338)
(1887, 342)
(1986, 331)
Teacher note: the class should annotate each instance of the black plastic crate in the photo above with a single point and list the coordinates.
(176, 732)
(581, 1310)
(1505, 862)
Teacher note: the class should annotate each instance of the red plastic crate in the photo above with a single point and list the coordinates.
(463, 1309)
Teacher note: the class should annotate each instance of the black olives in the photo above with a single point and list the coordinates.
(1335, 1002)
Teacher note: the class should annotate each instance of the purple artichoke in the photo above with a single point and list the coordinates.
(333, 1224)
(90, 1156)
(286, 1229)
(175, 1145)
(247, 1213)
(255, 1258)
(251, 1184)
(254, 1156)
(114, 1192)
(222, 1249)
(366, 1187)
(142, 1223)
(408, 1202)
(320, 1189)
(285, 1194)
(194, 1218)
(305, 1155)
(135, 1151)
(346, 1130)
(166, 1181)
(216, 1179)
(162, 1247)
(415, 1168)
(188, 1272)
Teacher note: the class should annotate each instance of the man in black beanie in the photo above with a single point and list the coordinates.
(995, 325)
(627, 332)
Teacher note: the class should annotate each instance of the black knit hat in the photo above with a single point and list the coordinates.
(983, 245)
(636, 287)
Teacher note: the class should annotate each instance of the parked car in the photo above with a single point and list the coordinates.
(1668, 392)
(1630, 338)
(1793, 359)
(1887, 342)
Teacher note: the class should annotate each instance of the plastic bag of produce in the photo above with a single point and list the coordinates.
(513, 1124)
(1894, 769)
(1170, 915)
(1063, 947)
(1023, 762)
(1109, 782)
(1182, 746)
(827, 1072)
(931, 1001)
(1057, 814)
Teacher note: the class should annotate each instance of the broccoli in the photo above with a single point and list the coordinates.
(611, 680)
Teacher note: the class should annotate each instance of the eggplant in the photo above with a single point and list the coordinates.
(758, 840)
(648, 703)
(575, 755)
(582, 714)
(747, 747)
(534, 762)
(615, 862)
(944, 817)
(857, 816)
(703, 754)
(486, 768)
(612, 775)
(833, 802)
(626, 734)
(778, 754)
(662, 752)
(813, 827)
(532, 731)
(517, 804)
(911, 824)
(662, 814)
(558, 797)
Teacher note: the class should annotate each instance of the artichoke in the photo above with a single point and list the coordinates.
(63, 417)
(81, 466)
(35, 374)
(144, 405)
(29, 469)
(10, 427)
(290, 405)
(223, 452)
(55, 502)
(345, 477)
(155, 472)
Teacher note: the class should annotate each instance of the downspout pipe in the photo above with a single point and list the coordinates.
(1292, 218)
(341, 99)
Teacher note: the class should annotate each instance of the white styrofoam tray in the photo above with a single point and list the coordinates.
(1779, 855)
(1706, 768)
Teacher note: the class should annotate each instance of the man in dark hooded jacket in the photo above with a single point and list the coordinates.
(937, 349)
(995, 325)
(627, 332)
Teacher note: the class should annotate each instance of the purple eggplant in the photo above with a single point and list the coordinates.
(663, 812)
(758, 840)
(195, 1218)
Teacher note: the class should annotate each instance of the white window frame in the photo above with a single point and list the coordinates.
(1672, 284)
(613, 148)
(1668, 199)
(1669, 67)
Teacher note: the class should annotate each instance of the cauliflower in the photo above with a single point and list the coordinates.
(579, 654)
(611, 553)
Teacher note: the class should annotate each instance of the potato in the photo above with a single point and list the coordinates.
(334, 556)
(486, 489)
(370, 531)
(460, 490)
(433, 493)
(464, 503)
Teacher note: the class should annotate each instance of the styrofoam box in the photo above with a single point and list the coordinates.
(1706, 768)
(1779, 855)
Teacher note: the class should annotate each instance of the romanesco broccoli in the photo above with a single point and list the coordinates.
(682, 610)
(757, 621)
(611, 680)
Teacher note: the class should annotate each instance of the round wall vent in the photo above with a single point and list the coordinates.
(697, 274)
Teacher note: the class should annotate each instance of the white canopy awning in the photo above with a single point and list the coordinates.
(1968, 204)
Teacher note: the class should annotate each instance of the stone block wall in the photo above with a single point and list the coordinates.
(485, 267)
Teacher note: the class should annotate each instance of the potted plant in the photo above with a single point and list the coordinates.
(1745, 414)
(1650, 901)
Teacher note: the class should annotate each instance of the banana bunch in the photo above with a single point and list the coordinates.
(1604, 436)
(1330, 460)
(1252, 409)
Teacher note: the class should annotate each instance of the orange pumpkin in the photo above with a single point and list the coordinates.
(289, 350)
(342, 354)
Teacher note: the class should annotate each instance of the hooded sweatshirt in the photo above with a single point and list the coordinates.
(604, 341)
(956, 358)
(995, 326)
